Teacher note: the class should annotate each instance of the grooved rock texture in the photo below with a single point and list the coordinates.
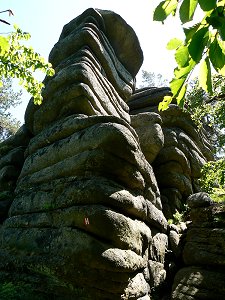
(86, 221)
(11, 162)
(88, 183)
(185, 149)
(203, 275)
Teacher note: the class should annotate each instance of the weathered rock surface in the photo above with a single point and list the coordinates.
(149, 130)
(86, 188)
(197, 283)
(203, 276)
(178, 163)
(11, 162)
(86, 221)
(104, 63)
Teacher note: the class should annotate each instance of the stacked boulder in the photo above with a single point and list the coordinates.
(183, 152)
(88, 183)
(203, 274)
(86, 221)
(11, 162)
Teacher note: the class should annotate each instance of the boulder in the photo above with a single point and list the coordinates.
(202, 275)
(86, 216)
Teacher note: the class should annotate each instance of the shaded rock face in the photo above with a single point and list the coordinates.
(179, 155)
(86, 221)
(11, 162)
(86, 217)
(203, 274)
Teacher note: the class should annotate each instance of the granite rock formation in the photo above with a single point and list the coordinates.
(86, 220)
(203, 274)
(185, 149)
(11, 162)
(94, 174)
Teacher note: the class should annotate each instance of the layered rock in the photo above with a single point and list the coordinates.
(95, 69)
(185, 149)
(203, 274)
(11, 162)
(86, 221)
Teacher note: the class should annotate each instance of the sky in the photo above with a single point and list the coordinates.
(44, 20)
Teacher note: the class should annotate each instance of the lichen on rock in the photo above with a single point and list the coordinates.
(94, 174)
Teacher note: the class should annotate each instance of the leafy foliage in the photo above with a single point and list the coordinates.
(8, 99)
(204, 43)
(213, 179)
(20, 61)
(208, 111)
(19, 291)
(152, 79)
(179, 217)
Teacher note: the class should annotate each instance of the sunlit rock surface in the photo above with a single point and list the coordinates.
(88, 183)
(87, 220)
(185, 149)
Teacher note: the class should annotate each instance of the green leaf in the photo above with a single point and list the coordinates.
(216, 55)
(176, 85)
(198, 43)
(174, 44)
(164, 9)
(207, 5)
(222, 71)
(221, 44)
(205, 78)
(215, 21)
(216, 17)
(164, 105)
(187, 10)
(221, 31)
(189, 32)
(182, 56)
(181, 95)
(159, 13)
(181, 72)
(4, 44)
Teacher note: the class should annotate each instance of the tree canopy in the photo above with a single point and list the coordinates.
(204, 43)
(208, 111)
(8, 99)
(153, 79)
(20, 61)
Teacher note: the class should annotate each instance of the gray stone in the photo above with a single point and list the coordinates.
(196, 283)
(200, 199)
(159, 247)
(205, 246)
(157, 273)
(148, 96)
(174, 239)
(209, 216)
(147, 126)
(86, 187)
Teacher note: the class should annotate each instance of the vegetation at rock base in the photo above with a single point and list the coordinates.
(19, 291)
